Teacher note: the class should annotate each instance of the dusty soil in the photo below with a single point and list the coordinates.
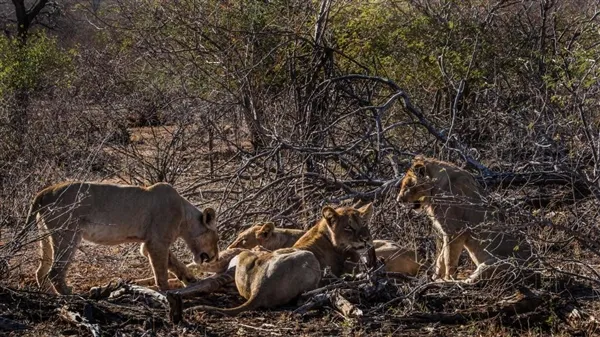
(97, 265)
(560, 306)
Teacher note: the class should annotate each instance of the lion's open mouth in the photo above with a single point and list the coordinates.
(417, 204)
(204, 257)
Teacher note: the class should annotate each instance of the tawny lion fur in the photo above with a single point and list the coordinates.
(396, 258)
(454, 202)
(271, 279)
(111, 214)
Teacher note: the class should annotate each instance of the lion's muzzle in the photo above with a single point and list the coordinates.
(402, 195)
(205, 258)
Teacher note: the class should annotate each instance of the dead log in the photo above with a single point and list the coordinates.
(10, 325)
(118, 289)
(78, 320)
(156, 299)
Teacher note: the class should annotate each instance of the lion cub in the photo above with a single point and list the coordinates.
(453, 201)
(270, 279)
(110, 214)
(268, 236)
(396, 258)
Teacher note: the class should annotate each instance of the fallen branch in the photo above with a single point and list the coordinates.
(118, 289)
(317, 301)
(10, 325)
(342, 284)
(156, 298)
(344, 306)
(524, 301)
(78, 320)
(334, 299)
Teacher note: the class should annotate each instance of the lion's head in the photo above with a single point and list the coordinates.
(427, 178)
(253, 236)
(417, 184)
(348, 226)
(202, 237)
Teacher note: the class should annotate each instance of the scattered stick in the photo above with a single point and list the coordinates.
(271, 331)
(351, 284)
(344, 306)
(317, 301)
(78, 320)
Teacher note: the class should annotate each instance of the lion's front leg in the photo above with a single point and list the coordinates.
(159, 261)
(180, 270)
(183, 274)
(453, 246)
(440, 266)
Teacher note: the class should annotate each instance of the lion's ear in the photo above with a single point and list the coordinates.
(209, 217)
(419, 169)
(265, 231)
(329, 214)
(366, 212)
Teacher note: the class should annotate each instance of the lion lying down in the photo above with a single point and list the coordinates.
(454, 202)
(396, 258)
(111, 214)
(270, 279)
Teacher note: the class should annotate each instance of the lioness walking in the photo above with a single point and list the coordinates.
(111, 214)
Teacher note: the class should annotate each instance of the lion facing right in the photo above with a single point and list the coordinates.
(454, 202)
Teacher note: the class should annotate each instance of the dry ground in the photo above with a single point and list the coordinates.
(435, 310)
(97, 265)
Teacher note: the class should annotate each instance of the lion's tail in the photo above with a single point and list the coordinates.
(36, 206)
(250, 304)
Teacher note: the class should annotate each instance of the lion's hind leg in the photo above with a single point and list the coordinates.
(145, 281)
(64, 244)
(46, 253)
(487, 264)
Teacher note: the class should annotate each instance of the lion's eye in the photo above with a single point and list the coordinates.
(348, 229)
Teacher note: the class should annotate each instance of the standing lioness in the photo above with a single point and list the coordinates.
(456, 205)
(111, 214)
